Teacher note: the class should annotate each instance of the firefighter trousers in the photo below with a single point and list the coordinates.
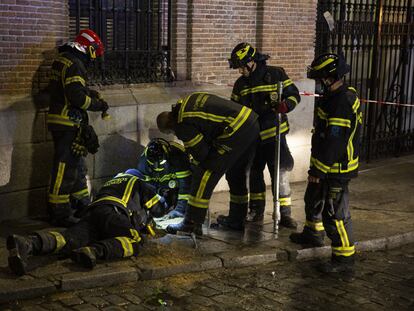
(233, 163)
(106, 228)
(68, 188)
(265, 155)
(327, 208)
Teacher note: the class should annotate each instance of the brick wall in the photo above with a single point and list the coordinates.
(29, 31)
(284, 29)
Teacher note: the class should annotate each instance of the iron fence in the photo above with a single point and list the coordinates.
(136, 35)
(377, 39)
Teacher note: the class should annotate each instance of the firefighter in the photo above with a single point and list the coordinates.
(166, 166)
(113, 226)
(67, 120)
(257, 88)
(220, 135)
(334, 162)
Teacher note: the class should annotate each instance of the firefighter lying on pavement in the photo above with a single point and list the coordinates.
(67, 120)
(334, 161)
(220, 135)
(113, 226)
(166, 166)
(257, 88)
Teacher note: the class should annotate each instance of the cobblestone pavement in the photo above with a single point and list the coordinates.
(383, 281)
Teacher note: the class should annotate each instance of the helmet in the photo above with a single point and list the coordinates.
(243, 53)
(328, 65)
(88, 42)
(157, 152)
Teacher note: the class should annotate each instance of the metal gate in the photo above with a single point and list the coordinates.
(136, 35)
(377, 39)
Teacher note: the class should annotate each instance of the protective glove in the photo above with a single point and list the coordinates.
(78, 148)
(174, 214)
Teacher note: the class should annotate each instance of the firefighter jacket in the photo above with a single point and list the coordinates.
(256, 92)
(70, 98)
(208, 125)
(335, 139)
(176, 174)
(129, 195)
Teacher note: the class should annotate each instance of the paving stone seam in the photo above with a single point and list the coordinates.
(12, 293)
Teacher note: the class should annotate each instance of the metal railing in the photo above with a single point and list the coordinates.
(136, 35)
(377, 39)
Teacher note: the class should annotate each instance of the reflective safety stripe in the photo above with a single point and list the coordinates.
(60, 240)
(342, 232)
(287, 82)
(75, 79)
(65, 61)
(59, 177)
(135, 235)
(183, 174)
(261, 88)
(198, 202)
(239, 199)
(154, 200)
(237, 122)
(81, 194)
(205, 116)
(293, 98)
(194, 141)
(336, 168)
(259, 196)
(350, 146)
(316, 226)
(235, 97)
(321, 114)
(203, 184)
(339, 122)
(87, 103)
(319, 165)
(126, 246)
(179, 146)
(58, 199)
(183, 197)
(126, 195)
(285, 201)
(327, 62)
(60, 119)
(271, 132)
(343, 251)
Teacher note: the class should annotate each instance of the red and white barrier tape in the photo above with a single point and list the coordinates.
(362, 100)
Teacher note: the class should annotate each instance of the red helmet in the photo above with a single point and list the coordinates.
(91, 42)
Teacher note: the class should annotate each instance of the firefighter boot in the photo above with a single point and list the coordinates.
(186, 226)
(86, 256)
(286, 219)
(307, 237)
(235, 219)
(256, 214)
(20, 249)
(339, 265)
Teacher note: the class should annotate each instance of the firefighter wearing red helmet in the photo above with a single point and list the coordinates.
(255, 88)
(67, 120)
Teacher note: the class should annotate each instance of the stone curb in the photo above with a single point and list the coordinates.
(12, 289)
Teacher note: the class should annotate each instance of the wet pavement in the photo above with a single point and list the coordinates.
(383, 281)
(382, 202)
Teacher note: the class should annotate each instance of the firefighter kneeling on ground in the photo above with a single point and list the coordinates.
(113, 226)
(334, 161)
(166, 166)
(67, 120)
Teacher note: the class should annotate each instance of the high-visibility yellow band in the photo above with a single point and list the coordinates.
(259, 196)
(183, 174)
(59, 177)
(135, 235)
(343, 251)
(126, 243)
(327, 62)
(75, 79)
(154, 200)
(261, 88)
(203, 183)
(87, 103)
(239, 199)
(183, 197)
(198, 202)
(293, 98)
(235, 97)
(60, 240)
(285, 201)
(271, 132)
(81, 193)
(339, 122)
(287, 82)
(316, 226)
(58, 199)
(194, 141)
